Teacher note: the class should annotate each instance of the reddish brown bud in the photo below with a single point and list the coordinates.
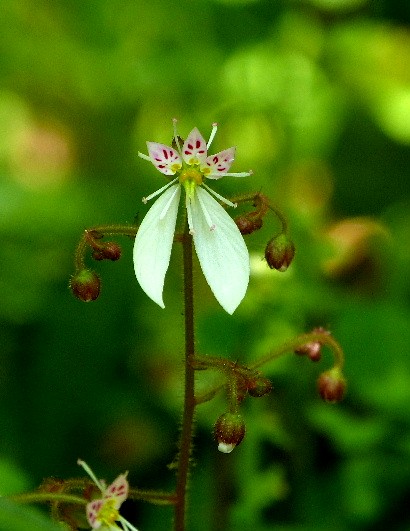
(97, 255)
(259, 386)
(248, 223)
(107, 251)
(279, 252)
(331, 385)
(229, 431)
(52, 485)
(313, 349)
(85, 285)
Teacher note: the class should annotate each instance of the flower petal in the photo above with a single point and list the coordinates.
(217, 165)
(92, 510)
(153, 243)
(221, 250)
(194, 148)
(166, 159)
(118, 490)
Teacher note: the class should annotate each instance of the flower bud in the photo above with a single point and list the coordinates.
(248, 223)
(85, 285)
(279, 252)
(97, 255)
(313, 350)
(259, 386)
(229, 431)
(108, 251)
(331, 385)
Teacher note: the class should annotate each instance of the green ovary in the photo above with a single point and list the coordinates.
(190, 176)
(108, 514)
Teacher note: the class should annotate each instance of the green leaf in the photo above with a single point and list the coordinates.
(14, 517)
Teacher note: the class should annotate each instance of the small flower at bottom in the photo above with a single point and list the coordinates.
(220, 247)
(103, 513)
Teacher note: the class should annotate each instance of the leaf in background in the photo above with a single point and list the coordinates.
(15, 517)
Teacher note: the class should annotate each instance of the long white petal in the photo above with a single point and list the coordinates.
(222, 252)
(153, 243)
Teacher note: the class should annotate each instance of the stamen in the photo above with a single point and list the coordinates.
(174, 123)
(226, 201)
(166, 207)
(219, 176)
(146, 199)
(91, 474)
(213, 133)
(145, 157)
(126, 525)
(189, 213)
(206, 214)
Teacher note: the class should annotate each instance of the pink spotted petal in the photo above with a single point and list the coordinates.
(92, 510)
(166, 159)
(117, 490)
(194, 149)
(219, 163)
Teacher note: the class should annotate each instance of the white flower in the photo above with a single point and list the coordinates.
(103, 512)
(220, 247)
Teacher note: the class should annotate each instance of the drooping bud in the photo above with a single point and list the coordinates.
(229, 431)
(85, 285)
(313, 350)
(248, 223)
(107, 251)
(279, 252)
(331, 385)
(259, 386)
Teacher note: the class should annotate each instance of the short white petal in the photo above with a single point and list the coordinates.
(222, 252)
(194, 149)
(166, 159)
(220, 163)
(153, 244)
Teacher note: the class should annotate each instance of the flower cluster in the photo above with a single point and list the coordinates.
(103, 513)
(219, 245)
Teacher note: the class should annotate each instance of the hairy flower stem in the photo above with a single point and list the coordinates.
(47, 497)
(262, 205)
(323, 337)
(185, 441)
(103, 230)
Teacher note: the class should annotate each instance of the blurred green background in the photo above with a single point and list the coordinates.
(316, 96)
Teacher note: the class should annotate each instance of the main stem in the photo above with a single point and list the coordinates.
(189, 391)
